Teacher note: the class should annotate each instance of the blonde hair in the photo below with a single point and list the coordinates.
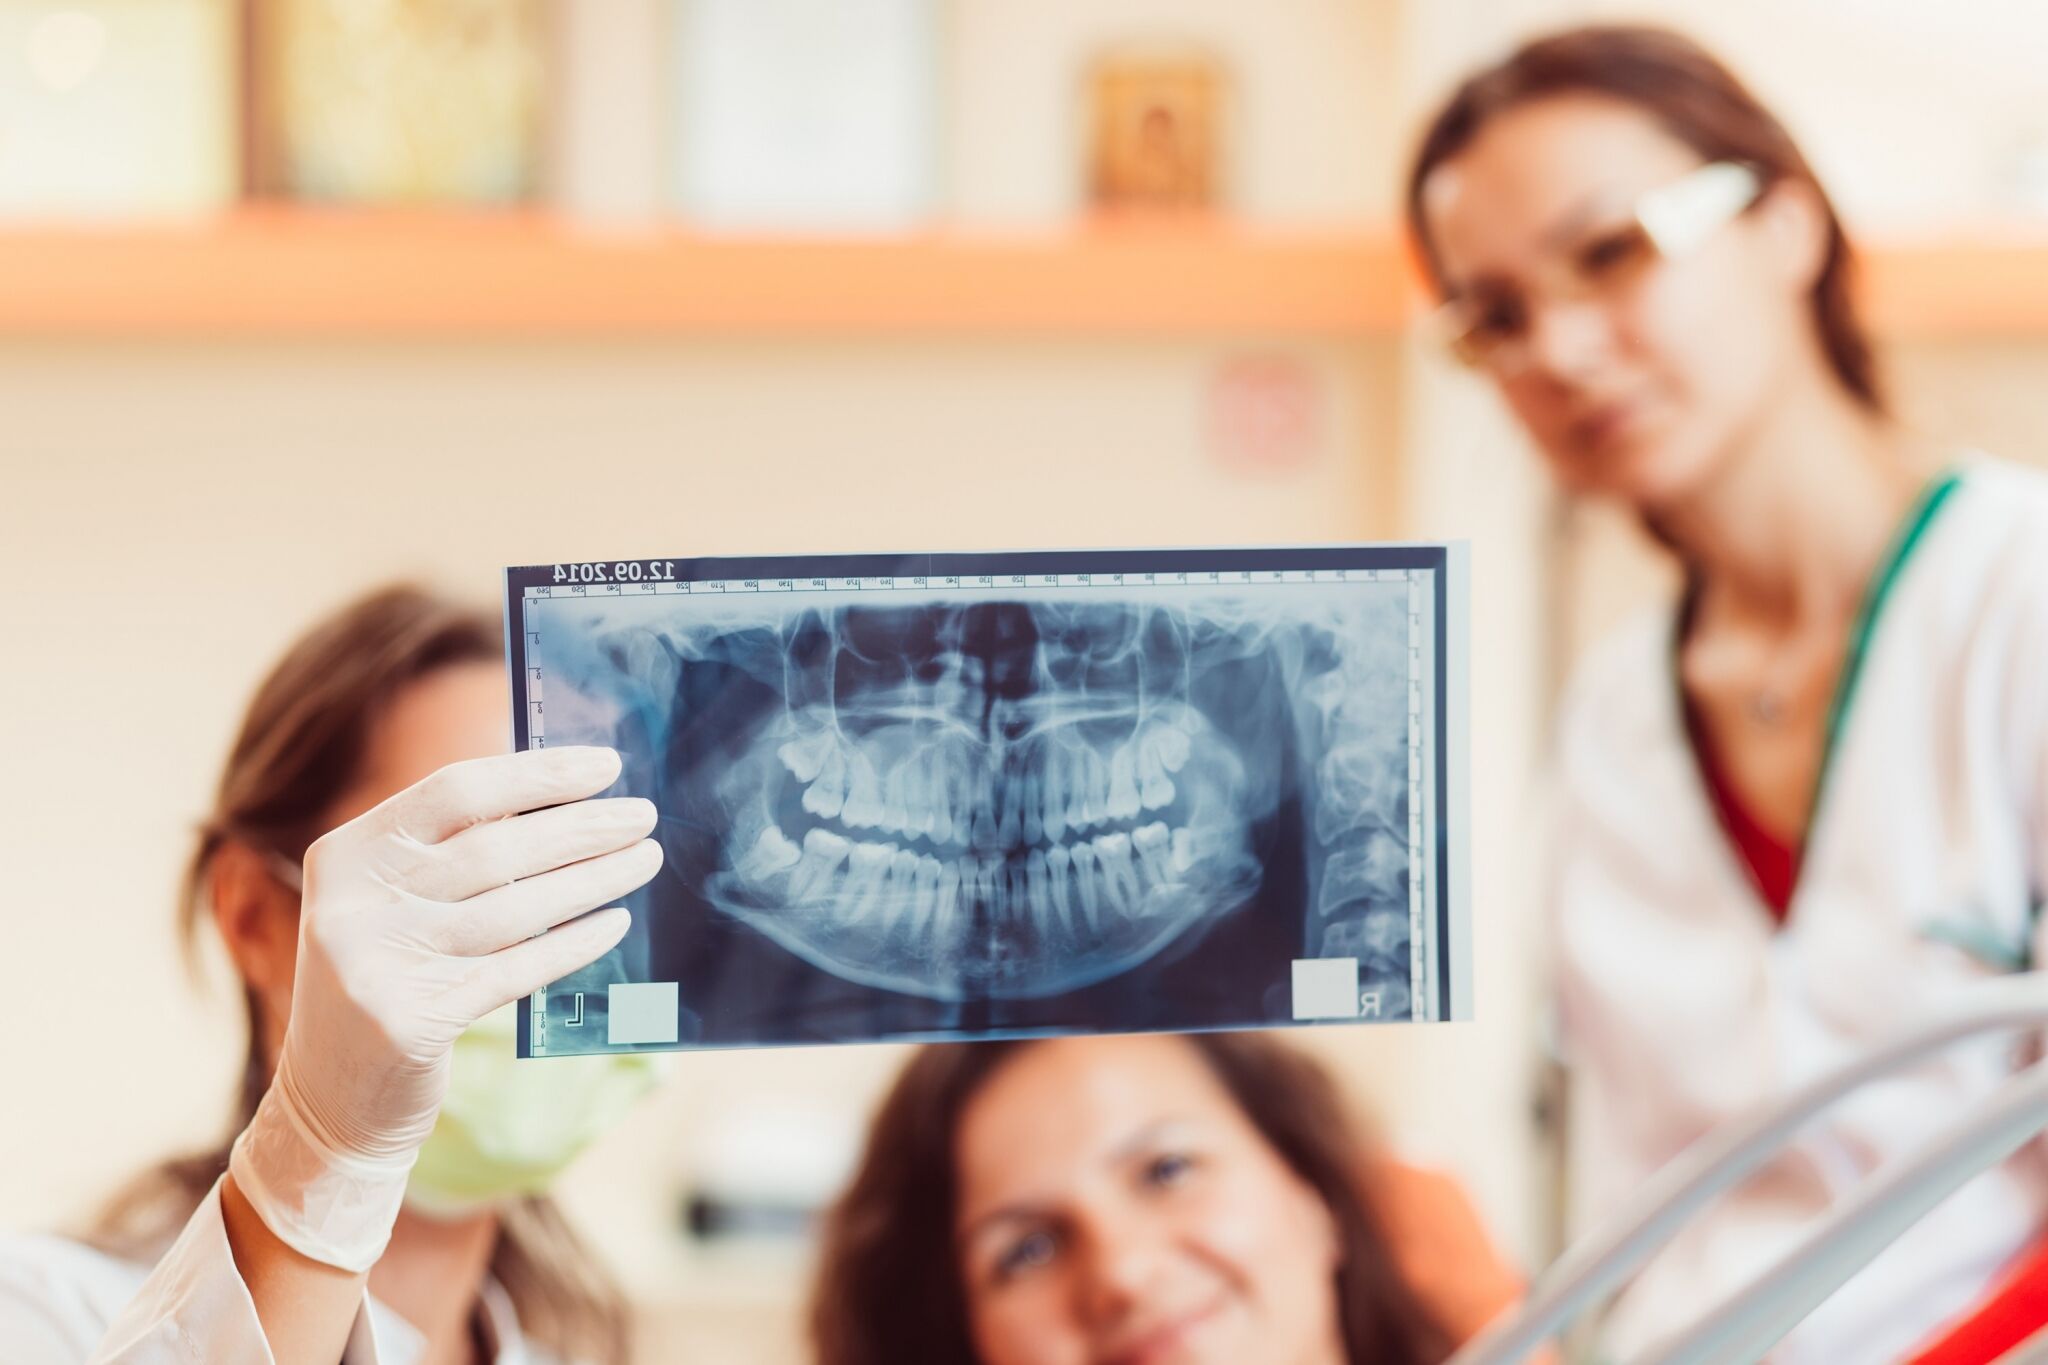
(302, 741)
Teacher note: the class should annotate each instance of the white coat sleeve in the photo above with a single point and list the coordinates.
(62, 1304)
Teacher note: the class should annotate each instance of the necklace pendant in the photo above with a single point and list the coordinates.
(1767, 709)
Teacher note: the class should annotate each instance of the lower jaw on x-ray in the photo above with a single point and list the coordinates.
(977, 796)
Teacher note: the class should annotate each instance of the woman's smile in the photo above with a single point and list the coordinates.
(1168, 1336)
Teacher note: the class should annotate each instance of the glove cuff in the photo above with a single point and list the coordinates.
(333, 1207)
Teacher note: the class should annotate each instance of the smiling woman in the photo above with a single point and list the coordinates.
(1134, 1200)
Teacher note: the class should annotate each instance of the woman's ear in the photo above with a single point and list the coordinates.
(1793, 223)
(258, 919)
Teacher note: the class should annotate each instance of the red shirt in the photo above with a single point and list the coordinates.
(1773, 864)
(2017, 1306)
(2014, 1311)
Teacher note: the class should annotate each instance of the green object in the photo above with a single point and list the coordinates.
(1980, 941)
(1903, 544)
(509, 1127)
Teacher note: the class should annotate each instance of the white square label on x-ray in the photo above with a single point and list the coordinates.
(1326, 988)
(641, 1012)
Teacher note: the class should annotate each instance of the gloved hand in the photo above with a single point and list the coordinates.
(420, 917)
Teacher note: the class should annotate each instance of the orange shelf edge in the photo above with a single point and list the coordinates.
(1990, 282)
(295, 272)
(306, 273)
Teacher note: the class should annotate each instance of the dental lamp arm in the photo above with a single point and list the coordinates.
(1750, 1322)
(1600, 1263)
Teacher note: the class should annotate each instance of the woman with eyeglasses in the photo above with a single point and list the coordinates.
(1811, 795)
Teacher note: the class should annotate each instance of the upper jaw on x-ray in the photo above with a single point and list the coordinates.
(1006, 800)
(993, 800)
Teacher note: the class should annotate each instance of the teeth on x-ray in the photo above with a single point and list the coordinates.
(1010, 799)
(920, 840)
(922, 797)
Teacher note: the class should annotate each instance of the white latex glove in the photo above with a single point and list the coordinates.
(420, 917)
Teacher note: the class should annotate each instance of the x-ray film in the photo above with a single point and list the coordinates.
(959, 796)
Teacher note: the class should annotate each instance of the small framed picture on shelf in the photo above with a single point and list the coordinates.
(1156, 135)
(425, 102)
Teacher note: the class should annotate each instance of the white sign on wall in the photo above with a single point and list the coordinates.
(807, 114)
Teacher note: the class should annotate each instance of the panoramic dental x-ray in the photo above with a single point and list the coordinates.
(972, 796)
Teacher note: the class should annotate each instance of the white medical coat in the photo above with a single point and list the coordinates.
(1684, 1004)
(62, 1303)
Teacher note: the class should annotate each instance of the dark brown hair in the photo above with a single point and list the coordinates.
(1697, 100)
(302, 743)
(889, 1288)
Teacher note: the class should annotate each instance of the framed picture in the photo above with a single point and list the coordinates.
(1156, 137)
(429, 101)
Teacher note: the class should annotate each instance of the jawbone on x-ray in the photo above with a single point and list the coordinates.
(964, 796)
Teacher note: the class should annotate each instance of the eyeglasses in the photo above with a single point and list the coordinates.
(1490, 327)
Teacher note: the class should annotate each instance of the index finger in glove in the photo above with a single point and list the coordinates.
(444, 803)
(504, 851)
(497, 919)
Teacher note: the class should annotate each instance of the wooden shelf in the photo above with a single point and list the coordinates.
(303, 273)
(1986, 281)
(290, 272)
